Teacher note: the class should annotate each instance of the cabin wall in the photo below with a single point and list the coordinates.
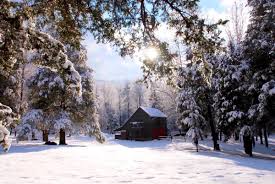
(149, 130)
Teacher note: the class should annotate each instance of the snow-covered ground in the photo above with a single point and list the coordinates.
(118, 161)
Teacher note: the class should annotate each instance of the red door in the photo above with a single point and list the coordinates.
(162, 132)
(155, 133)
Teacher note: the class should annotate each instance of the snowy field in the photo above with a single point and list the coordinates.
(116, 161)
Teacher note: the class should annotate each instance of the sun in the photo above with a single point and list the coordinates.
(151, 53)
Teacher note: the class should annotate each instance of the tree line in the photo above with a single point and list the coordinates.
(117, 101)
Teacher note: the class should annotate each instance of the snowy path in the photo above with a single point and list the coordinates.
(160, 162)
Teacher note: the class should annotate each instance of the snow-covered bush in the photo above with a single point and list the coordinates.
(29, 124)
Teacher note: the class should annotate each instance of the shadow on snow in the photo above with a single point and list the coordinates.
(242, 160)
(154, 145)
(258, 161)
(29, 148)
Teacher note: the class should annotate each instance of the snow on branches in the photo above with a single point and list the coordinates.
(190, 100)
(16, 40)
(29, 123)
(52, 55)
(63, 121)
(5, 113)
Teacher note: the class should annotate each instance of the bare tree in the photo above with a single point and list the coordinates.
(236, 27)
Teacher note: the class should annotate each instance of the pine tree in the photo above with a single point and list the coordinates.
(64, 111)
(199, 72)
(230, 99)
(84, 112)
(47, 105)
(191, 103)
(46, 51)
(259, 51)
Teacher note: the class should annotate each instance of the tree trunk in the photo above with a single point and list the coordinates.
(265, 137)
(45, 136)
(196, 142)
(212, 126)
(62, 137)
(261, 136)
(33, 136)
(201, 136)
(236, 135)
(247, 143)
(22, 88)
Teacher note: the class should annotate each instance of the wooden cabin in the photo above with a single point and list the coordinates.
(145, 124)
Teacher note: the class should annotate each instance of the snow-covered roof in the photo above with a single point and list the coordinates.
(152, 112)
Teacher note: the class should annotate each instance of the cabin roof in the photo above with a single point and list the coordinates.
(153, 112)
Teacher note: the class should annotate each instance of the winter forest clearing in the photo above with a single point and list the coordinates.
(100, 91)
(120, 161)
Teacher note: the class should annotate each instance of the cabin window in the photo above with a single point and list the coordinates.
(120, 132)
(137, 124)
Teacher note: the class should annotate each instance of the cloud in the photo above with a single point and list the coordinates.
(165, 33)
(230, 3)
(224, 12)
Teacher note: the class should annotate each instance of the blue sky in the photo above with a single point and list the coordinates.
(107, 63)
(211, 4)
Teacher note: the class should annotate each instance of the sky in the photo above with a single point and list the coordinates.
(108, 65)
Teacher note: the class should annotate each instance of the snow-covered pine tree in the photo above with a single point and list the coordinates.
(46, 50)
(10, 57)
(47, 104)
(191, 103)
(10, 91)
(49, 85)
(195, 78)
(230, 99)
(259, 51)
(85, 113)
(64, 111)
